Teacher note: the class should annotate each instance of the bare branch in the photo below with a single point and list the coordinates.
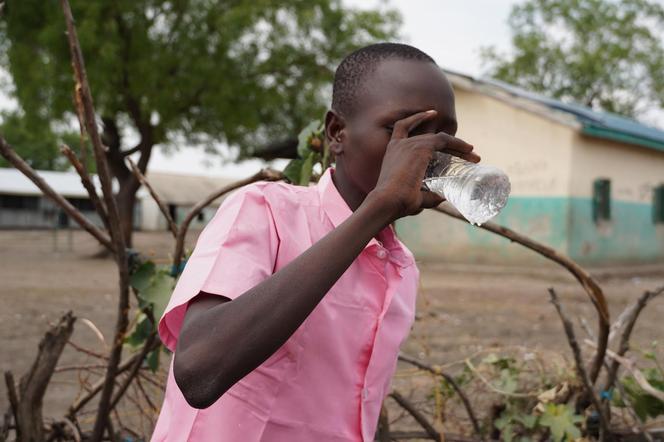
(578, 361)
(587, 282)
(124, 366)
(625, 398)
(115, 226)
(133, 150)
(638, 375)
(450, 380)
(33, 385)
(433, 434)
(164, 210)
(13, 399)
(147, 347)
(10, 155)
(87, 183)
(630, 318)
(383, 433)
(262, 175)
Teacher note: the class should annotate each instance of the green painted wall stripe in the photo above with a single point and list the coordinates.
(566, 224)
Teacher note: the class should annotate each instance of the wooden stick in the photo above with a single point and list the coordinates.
(87, 183)
(591, 287)
(625, 399)
(578, 361)
(637, 374)
(125, 365)
(115, 226)
(406, 405)
(149, 343)
(630, 320)
(13, 399)
(450, 380)
(164, 210)
(33, 384)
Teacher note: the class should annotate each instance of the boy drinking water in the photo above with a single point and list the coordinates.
(287, 320)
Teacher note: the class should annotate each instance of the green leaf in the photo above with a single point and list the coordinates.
(141, 278)
(141, 331)
(307, 169)
(152, 360)
(527, 420)
(645, 405)
(293, 170)
(508, 381)
(158, 292)
(561, 420)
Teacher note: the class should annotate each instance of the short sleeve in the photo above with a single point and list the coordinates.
(234, 252)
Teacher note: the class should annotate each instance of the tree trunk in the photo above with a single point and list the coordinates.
(128, 183)
(126, 199)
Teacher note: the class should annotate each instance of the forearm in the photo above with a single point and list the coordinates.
(230, 340)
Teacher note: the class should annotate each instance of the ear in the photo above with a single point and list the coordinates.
(335, 126)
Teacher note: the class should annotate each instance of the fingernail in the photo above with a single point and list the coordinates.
(432, 111)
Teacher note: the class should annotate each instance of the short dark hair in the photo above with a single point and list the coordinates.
(354, 69)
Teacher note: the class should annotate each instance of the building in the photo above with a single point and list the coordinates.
(22, 205)
(180, 193)
(589, 184)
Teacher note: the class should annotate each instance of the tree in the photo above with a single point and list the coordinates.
(606, 54)
(170, 73)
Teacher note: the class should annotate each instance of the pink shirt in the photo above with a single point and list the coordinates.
(327, 382)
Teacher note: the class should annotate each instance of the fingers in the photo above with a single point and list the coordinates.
(452, 144)
(443, 142)
(403, 127)
(468, 156)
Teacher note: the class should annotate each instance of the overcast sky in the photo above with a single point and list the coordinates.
(451, 31)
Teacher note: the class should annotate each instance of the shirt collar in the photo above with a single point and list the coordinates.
(337, 211)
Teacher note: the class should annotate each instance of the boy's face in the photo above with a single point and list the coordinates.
(395, 90)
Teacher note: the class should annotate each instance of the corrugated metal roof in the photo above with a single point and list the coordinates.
(67, 184)
(594, 123)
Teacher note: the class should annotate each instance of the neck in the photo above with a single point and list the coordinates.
(348, 191)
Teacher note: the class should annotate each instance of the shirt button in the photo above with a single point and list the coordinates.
(382, 254)
(365, 393)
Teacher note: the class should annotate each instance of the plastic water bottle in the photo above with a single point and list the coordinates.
(477, 191)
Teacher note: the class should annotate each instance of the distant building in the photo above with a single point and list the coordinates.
(23, 206)
(180, 193)
(589, 184)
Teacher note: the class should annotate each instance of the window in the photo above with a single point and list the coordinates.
(82, 204)
(601, 200)
(19, 202)
(658, 204)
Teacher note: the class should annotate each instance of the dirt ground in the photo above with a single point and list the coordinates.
(462, 309)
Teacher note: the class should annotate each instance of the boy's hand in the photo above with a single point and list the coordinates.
(399, 186)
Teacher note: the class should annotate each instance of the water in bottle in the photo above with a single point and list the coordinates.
(477, 191)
